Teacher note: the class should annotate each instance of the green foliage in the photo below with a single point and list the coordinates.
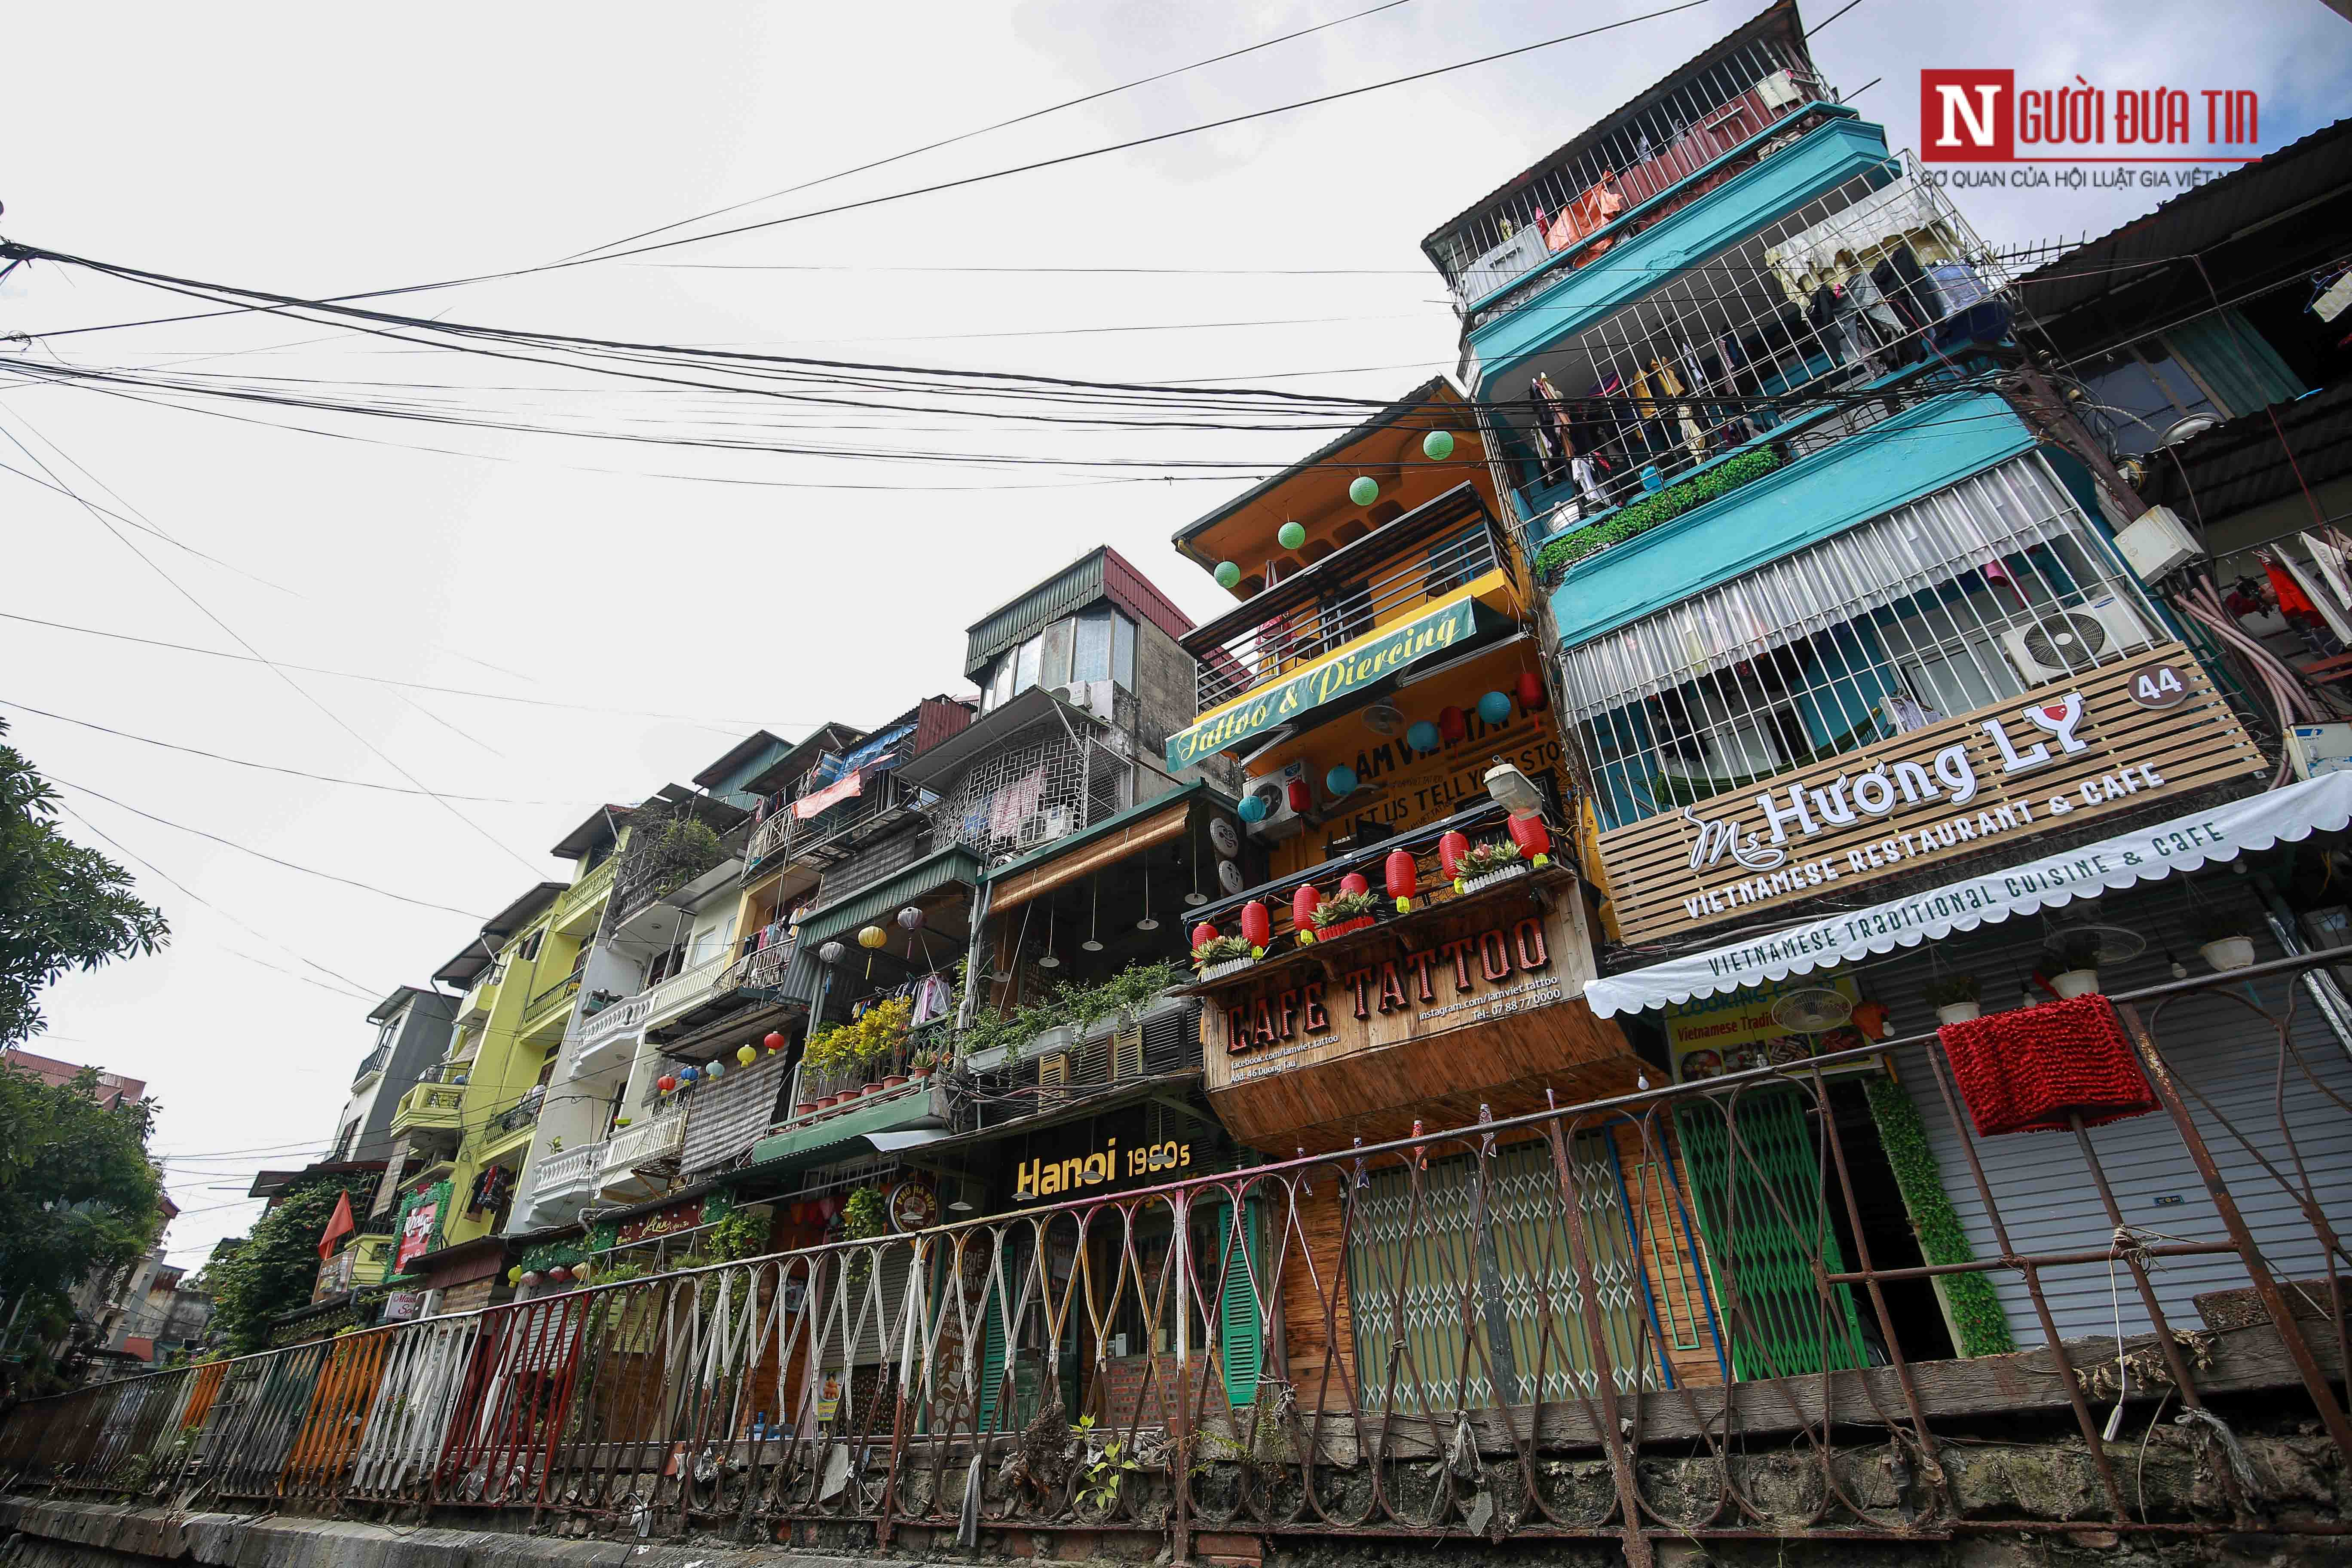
(1123, 996)
(274, 1272)
(864, 1214)
(1099, 1483)
(743, 1233)
(1975, 1310)
(1221, 950)
(548, 1254)
(61, 906)
(1945, 989)
(1341, 907)
(678, 851)
(77, 1193)
(1660, 506)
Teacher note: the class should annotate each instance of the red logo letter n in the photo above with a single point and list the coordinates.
(1967, 117)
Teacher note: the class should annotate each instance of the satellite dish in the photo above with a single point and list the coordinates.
(1383, 719)
(1815, 1010)
(1225, 836)
(2118, 944)
(1229, 876)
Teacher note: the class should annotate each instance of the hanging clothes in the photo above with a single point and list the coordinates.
(2292, 601)
(933, 997)
(1694, 438)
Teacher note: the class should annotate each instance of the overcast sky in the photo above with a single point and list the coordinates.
(680, 598)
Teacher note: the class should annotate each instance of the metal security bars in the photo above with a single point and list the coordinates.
(1879, 275)
(1046, 780)
(1687, 128)
(1461, 1334)
(1952, 604)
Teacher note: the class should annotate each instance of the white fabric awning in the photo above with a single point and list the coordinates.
(2145, 855)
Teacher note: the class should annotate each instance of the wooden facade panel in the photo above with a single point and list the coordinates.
(1667, 880)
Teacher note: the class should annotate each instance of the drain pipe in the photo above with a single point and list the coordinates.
(2320, 981)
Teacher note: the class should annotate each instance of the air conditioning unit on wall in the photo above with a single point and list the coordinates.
(1045, 827)
(1281, 820)
(2066, 642)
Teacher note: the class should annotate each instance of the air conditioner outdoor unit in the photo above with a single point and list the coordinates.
(2069, 641)
(1095, 696)
(1280, 821)
(1045, 827)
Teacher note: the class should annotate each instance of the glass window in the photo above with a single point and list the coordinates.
(1054, 669)
(1090, 655)
(1122, 651)
(1025, 673)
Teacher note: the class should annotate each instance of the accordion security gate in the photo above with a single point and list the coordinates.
(1381, 1302)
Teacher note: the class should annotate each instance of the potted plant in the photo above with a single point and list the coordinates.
(2071, 964)
(1487, 864)
(2220, 937)
(1343, 912)
(1221, 955)
(1955, 998)
(922, 1064)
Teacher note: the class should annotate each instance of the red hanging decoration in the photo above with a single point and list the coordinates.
(1452, 725)
(2029, 1070)
(774, 1042)
(1202, 935)
(1302, 909)
(1257, 925)
(1532, 836)
(1353, 882)
(1400, 874)
(1301, 797)
(666, 1083)
(1533, 698)
(1451, 848)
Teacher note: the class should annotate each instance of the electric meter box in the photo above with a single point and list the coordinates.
(2157, 543)
(2316, 748)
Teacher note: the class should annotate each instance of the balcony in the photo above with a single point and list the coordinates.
(567, 1175)
(609, 1035)
(372, 1064)
(364, 1262)
(556, 998)
(835, 831)
(577, 909)
(434, 1106)
(672, 855)
(764, 970)
(687, 989)
(647, 1143)
(1415, 564)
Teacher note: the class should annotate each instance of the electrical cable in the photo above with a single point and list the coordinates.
(260, 855)
(271, 768)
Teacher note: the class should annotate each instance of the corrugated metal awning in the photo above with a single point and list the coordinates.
(836, 1136)
(948, 867)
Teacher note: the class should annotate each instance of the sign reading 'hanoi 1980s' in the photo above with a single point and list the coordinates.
(2049, 758)
(1375, 659)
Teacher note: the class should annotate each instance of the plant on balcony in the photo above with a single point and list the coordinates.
(1660, 506)
(1221, 950)
(1344, 913)
(1483, 860)
(923, 1063)
(676, 853)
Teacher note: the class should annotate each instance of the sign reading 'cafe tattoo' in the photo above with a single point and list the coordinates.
(2058, 755)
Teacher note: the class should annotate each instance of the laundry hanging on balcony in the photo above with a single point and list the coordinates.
(808, 806)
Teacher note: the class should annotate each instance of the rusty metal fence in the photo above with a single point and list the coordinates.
(1624, 1320)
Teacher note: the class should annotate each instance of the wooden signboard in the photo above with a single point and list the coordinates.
(2111, 739)
(1425, 1018)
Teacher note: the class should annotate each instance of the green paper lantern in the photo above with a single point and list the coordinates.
(1364, 490)
(1437, 446)
(1292, 535)
(1227, 574)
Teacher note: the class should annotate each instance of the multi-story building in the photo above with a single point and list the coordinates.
(1856, 648)
(411, 1030)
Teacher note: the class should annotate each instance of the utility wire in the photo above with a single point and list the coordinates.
(272, 768)
(259, 855)
(999, 125)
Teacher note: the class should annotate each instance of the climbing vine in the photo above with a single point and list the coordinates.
(1976, 1310)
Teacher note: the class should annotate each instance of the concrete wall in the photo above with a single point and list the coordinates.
(420, 1034)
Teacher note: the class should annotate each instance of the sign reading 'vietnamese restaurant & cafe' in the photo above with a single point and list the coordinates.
(2061, 754)
(1376, 658)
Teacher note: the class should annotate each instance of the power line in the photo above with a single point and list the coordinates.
(259, 855)
(272, 768)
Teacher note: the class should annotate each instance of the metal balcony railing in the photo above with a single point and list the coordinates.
(1481, 822)
(372, 1063)
(764, 970)
(833, 834)
(563, 989)
(588, 888)
(1348, 596)
(515, 1117)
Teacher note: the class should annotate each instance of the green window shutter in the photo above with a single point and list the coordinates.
(1238, 1326)
(991, 1357)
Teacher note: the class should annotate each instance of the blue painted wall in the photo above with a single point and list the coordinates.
(1739, 206)
(1921, 450)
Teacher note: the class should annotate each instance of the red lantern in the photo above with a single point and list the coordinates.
(1353, 882)
(559, 1275)
(1532, 836)
(1451, 848)
(1301, 797)
(1532, 697)
(1202, 935)
(1400, 874)
(1302, 910)
(1452, 725)
(1257, 925)
(666, 1083)
(774, 1042)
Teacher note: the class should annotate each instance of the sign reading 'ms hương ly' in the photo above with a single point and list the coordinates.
(1382, 656)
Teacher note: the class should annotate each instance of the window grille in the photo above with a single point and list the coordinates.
(1686, 128)
(1955, 603)
(1685, 372)
(1048, 780)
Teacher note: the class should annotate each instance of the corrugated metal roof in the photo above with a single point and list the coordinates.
(2240, 463)
(925, 875)
(744, 758)
(2123, 261)
(1101, 574)
(1780, 16)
